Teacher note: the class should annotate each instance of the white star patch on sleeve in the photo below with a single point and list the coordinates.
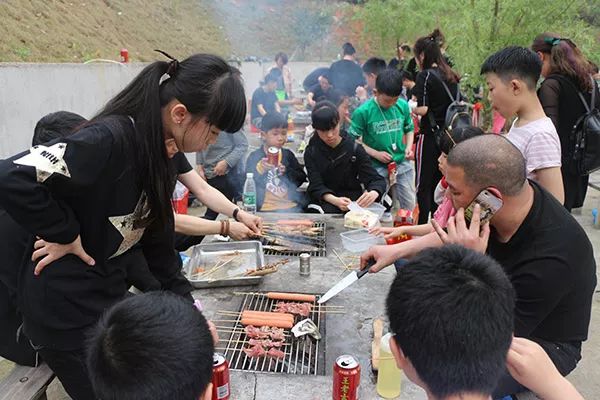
(46, 161)
(125, 226)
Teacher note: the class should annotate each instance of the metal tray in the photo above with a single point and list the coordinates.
(243, 256)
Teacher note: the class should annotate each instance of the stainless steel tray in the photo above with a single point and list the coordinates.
(234, 257)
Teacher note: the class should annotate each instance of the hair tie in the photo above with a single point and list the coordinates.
(552, 41)
(173, 65)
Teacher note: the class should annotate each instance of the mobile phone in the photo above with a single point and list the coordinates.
(490, 202)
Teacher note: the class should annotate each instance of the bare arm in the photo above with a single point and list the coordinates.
(277, 107)
(195, 226)
(207, 194)
(551, 180)
(261, 109)
(422, 110)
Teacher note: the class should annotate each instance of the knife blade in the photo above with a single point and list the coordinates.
(345, 282)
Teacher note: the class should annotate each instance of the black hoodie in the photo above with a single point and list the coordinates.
(341, 170)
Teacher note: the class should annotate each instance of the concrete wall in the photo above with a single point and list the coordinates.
(30, 91)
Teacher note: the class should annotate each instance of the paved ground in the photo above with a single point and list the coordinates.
(249, 386)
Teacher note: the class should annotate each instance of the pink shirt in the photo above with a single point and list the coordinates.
(539, 144)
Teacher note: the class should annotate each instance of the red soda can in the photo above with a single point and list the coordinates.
(392, 167)
(220, 378)
(124, 56)
(273, 155)
(403, 218)
(346, 378)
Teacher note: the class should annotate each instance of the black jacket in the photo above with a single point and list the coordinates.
(84, 185)
(293, 178)
(340, 170)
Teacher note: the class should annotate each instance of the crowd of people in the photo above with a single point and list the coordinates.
(97, 194)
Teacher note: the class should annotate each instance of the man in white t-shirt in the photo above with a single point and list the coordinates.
(511, 75)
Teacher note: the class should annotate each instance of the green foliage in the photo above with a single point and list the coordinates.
(476, 28)
(310, 26)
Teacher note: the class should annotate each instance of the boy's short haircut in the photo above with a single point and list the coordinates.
(406, 48)
(450, 138)
(325, 116)
(408, 76)
(154, 346)
(325, 75)
(56, 125)
(283, 56)
(451, 311)
(389, 82)
(348, 49)
(374, 65)
(272, 76)
(514, 62)
(273, 120)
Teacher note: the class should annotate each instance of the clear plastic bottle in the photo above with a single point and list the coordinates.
(388, 375)
(250, 194)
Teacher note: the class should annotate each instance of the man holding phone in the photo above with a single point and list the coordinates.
(542, 248)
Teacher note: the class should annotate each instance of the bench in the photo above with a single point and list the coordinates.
(26, 383)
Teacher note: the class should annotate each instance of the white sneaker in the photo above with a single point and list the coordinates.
(386, 217)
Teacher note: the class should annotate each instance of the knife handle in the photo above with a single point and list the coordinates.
(362, 272)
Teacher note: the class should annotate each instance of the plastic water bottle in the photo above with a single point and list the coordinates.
(389, 376)
(250, 194)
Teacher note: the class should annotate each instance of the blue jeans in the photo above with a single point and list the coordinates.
(404, 189)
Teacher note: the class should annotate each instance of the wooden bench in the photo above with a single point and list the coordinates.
(26, 383)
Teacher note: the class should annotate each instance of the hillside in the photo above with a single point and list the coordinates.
(74, 31)
(80, 30)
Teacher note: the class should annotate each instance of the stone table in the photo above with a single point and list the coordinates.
(349, 333)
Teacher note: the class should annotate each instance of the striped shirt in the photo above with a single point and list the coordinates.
(539, 144)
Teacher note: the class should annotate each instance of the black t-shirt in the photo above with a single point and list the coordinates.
(550, 262)
(181, 164)
(313, 78)
(267, 99)
(345, 76)
(429, 91)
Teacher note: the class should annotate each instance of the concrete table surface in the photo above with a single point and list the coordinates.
(349, 333)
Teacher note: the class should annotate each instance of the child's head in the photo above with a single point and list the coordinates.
(451, 313)
(450, 138)
(324, 82)
(342, 102)
(274, 129)
(154, 346)
(281, 59)
(326, 120)
(270, 81)
(388, 87)
(348, 49)
(56, 125)
(371, 69)
(408, 79)
(511, 75)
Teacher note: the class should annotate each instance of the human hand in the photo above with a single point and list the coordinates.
(50, 252)
(409, 154)
(253, 222)
(281, 169)
(475, 237)
(388, 232)
(383, 256)
(342, 203)
(265, 165)
(213, 332)
(383, 157)
(239, 231)
(367, 198)
(221, 168)
(361, 92)
(529, 364)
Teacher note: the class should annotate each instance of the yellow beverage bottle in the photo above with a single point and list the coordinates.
(389, 375)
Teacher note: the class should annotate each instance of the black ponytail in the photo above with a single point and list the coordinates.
(205, 84)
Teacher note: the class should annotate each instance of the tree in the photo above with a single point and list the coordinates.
(310, 26)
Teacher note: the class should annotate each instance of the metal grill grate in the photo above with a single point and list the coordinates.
(317, 241)
(304, 355)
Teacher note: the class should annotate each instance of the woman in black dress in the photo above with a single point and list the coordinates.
(432, 103)
(566, 72)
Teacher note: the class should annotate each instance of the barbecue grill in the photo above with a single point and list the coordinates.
(317, 241)
(304, 355)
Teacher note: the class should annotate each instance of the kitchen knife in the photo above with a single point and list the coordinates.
(345, 282)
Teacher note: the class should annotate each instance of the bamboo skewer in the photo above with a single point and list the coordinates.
(214, 269)
(234, 349)
(246, 342)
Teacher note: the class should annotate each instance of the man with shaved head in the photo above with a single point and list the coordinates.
(542, 248)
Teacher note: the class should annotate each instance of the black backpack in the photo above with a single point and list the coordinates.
(585, 135)
(458, 113)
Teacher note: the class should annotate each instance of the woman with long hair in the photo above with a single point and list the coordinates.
(567, 73)
(96, 198)
(432, 103)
